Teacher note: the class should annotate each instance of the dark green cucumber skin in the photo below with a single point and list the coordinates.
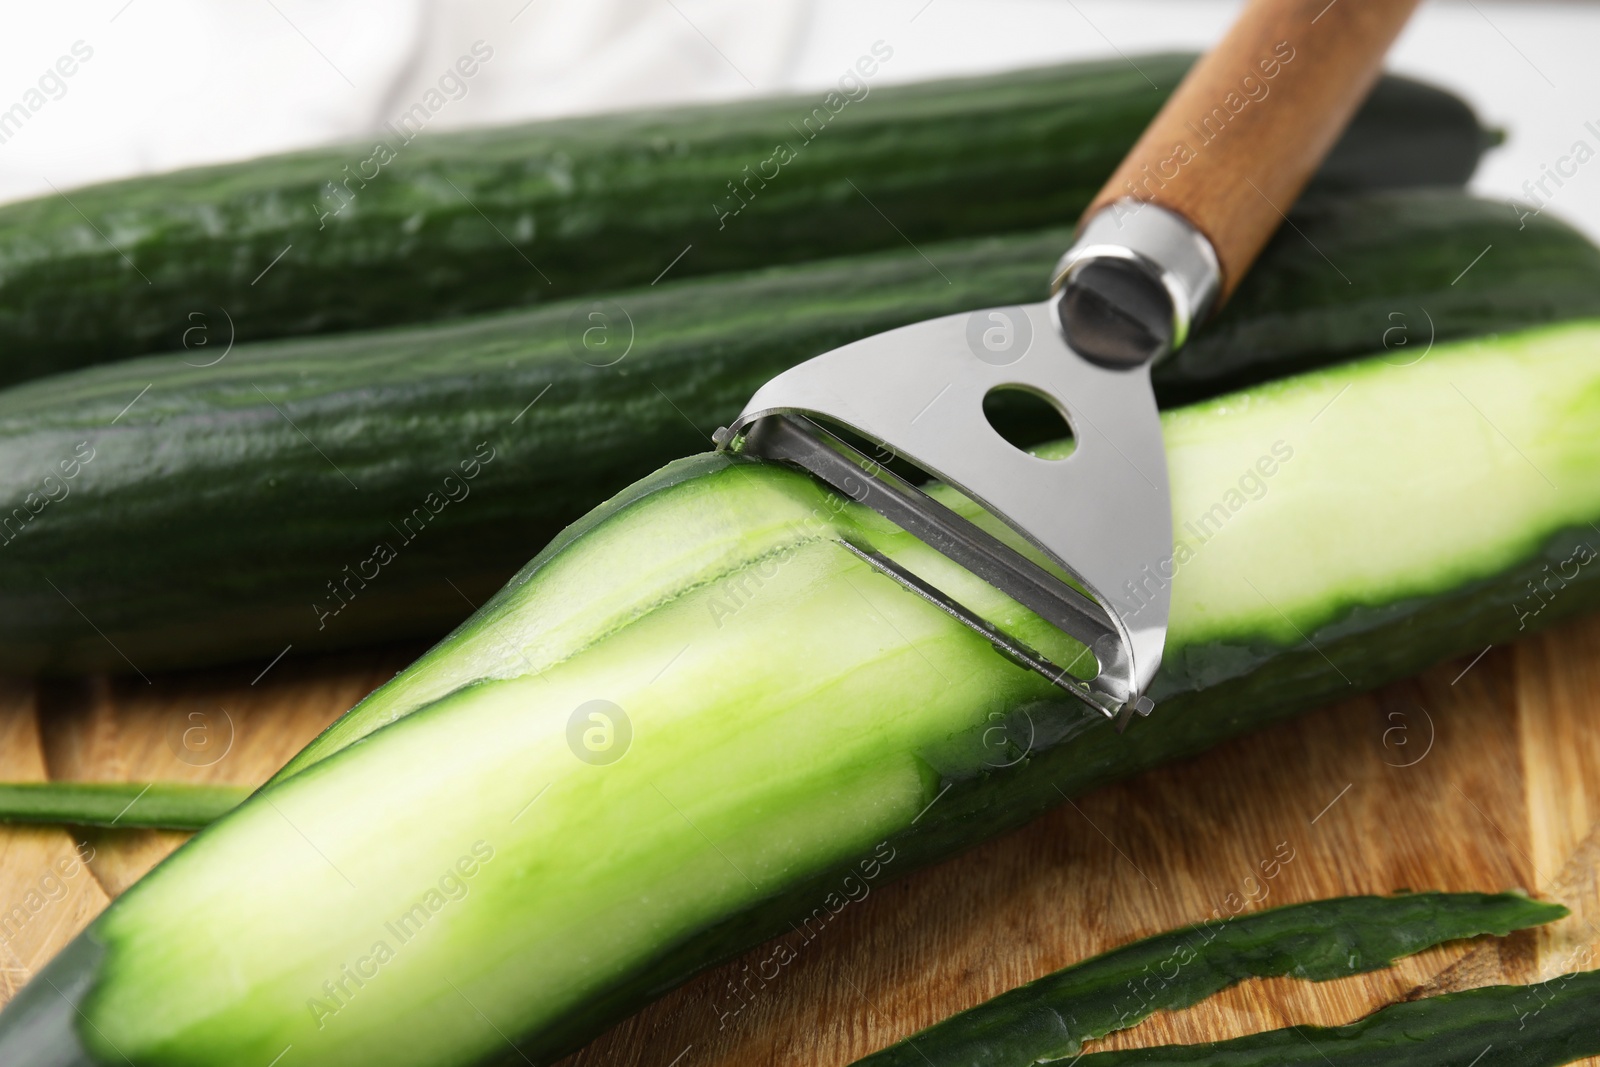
(1407, 250)
(208, 524)
(1213, 694)
(1543, 1025)
(1051, 1018)
(497, 218)
(1412, 133)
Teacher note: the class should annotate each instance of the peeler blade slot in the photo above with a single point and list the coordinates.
(1019, 652)
(794, 439)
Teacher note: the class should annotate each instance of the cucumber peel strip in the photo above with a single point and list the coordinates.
(123, 805)
(1543, 1025)
(1053, 1017)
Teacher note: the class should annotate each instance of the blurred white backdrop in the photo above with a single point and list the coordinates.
(172, 83)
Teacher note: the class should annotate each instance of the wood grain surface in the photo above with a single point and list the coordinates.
(1481, 774)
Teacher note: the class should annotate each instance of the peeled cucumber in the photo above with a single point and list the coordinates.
(677, 729)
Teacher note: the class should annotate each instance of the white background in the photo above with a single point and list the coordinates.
(180, 82)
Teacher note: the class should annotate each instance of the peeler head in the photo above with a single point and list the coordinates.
(1102, 514)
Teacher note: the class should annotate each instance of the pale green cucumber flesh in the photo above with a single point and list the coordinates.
(826, 723)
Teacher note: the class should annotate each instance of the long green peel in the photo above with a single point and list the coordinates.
(1542, 1025)
(124, 805)
(1052, 1018)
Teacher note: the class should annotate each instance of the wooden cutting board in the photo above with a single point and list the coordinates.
(1482, 774)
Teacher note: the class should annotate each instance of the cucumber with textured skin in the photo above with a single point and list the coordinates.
(215, 517)
(787, 716)
(1051, 1018)
(496, 218)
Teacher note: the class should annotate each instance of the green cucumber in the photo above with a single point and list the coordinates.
(215, 520)
(697, 719)
(339, 238)
(1544, 1025)
(1051, 1018)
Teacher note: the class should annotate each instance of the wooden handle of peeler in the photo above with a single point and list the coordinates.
(1241, 136)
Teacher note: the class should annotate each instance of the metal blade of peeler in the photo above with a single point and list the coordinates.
(1102, 514)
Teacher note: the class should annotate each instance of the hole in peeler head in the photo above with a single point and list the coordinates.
(1025, 418)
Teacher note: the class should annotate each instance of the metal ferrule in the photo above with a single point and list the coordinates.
(1163, 244)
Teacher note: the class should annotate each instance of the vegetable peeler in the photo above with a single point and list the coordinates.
(1085, 542)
